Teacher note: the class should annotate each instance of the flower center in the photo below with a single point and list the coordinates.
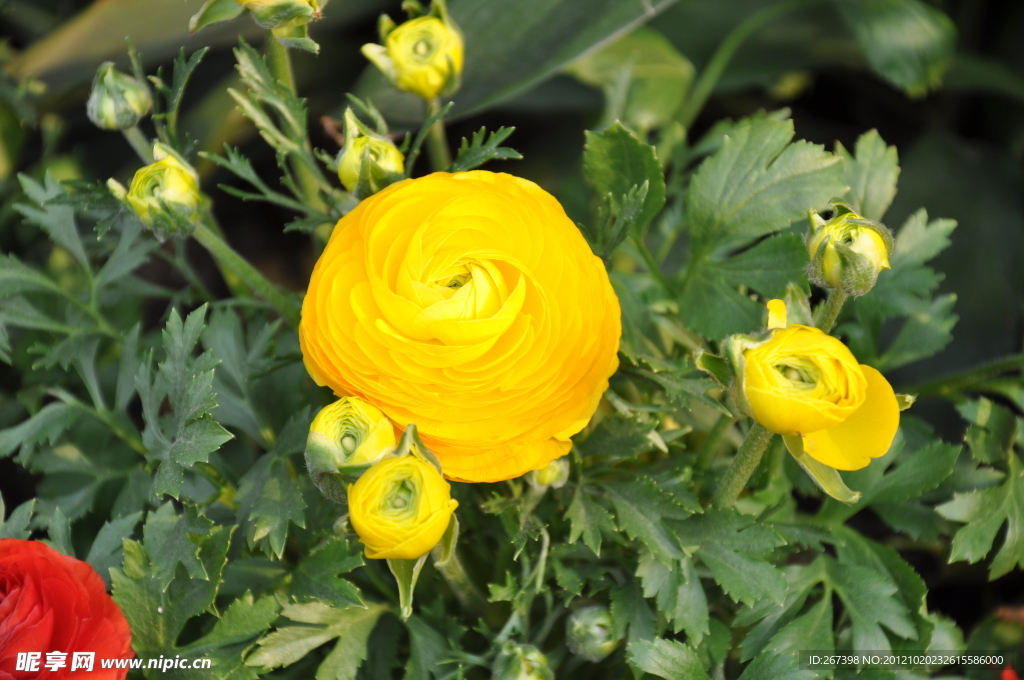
(421, 48)
(349, 443)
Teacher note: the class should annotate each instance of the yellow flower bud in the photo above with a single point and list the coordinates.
(400, 508)
(848, 251)
(801, 382)
(278, 13)
(165, 194)
(521, 662)
(345, 439)
(117, 101)
(368, 154)
(423, 55)
(555, 474)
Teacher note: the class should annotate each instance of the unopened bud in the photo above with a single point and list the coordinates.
(117, 101)
(588, 633)
(521, 662)
(423, 55)
(280, 13)
(345, 439)
(554, 475)
(368, 161)
(848, 251)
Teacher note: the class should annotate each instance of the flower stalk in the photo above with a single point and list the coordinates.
(437, 139)
(746, 461)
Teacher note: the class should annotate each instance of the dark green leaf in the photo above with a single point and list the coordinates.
(318, 577)
(588, 519)
(106, 550)
(615, 161)
(871, 172)
(484, 147)
(667, 659)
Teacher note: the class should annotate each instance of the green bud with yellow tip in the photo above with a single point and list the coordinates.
(521, 662)
(117, 101)
(554, 475)
(369, 161)
(589, 633)
(423, 55)
(847, 251)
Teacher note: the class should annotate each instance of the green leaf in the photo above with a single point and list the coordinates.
(58, 221)
(667, 659)
(615, 161)
(318, 577)
(631, 612)
(213, 12)
(106, 551)
(17, 277)
(640, 508)
(907, 42)
(984, 513)
(780, 628)
(728, 543)
(588, 519)
(992, 430)
(484, 147)
(868, 597)
(171, 538)
(678, 593)
(426, 649)
(233, 634)
(769, 666)
(17, 525)
(59, 532)
(618, 437)
(922, 335)
(47, 425)
(871, 173)
(269, 498)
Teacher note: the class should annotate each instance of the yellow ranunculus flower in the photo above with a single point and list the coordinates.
(423, 55)
(803, 382)
(164, 194)
(400, 508)
(468, 304)
(344, 439)
(848, 251)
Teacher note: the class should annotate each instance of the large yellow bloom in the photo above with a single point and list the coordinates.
(470, 305)
(400, 508)
(803, 382)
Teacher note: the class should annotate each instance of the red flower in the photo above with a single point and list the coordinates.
(1009, 674)
(50, 602)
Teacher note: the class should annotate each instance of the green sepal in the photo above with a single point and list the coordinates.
(384, 26)
(214, 12)
(372, 177)
(827, 478)
(412, 444)
(905, 401)
(798, 307)
(281, 14)
(445, 548)
(295, 34)
(332, 479)
(715, 366)
(406, 573)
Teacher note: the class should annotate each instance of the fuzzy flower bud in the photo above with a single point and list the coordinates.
(423, 55)
(521, 662)
(369, 157)
(164, 194)
(847, 251)
(280, 13)
(400, 508)
(345, 439)
(588, 633)
(554, 475)
(117, 101)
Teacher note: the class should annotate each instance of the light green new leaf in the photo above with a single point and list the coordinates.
(614, 161)
(907, 42)
(667, 659)
(984, 513)
(871, 171)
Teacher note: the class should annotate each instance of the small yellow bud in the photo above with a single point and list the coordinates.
(521, 662)
(345, 439)
(278, 13)
(165, 194)
(400, 508)
(555, 474)
(117, 101)
(848, 251)
(369, 155)
(423, 55)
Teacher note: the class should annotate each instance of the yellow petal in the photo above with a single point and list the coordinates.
(776, 314)
(866, 434)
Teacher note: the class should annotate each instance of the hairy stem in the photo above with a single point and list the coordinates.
(228, 258)
(712, 73)
(437, 140)
(713, 443)
(652, 265)
(746, 461)
(829, 310)
(469, 597)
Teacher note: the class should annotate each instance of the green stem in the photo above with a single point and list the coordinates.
(713, 443)
(280, 62)
(712, 73)
(746, 461)
(142, 146)
(829, 310)
(652, 265)
(968, 378)
(226, 256)
(466, 593)
(437, 140)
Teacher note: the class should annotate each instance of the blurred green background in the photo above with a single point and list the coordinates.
(961, 144)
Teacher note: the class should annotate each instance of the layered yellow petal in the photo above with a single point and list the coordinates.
(866, 434)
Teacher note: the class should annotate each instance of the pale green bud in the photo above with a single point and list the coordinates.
(588, 633)
(117, 101)
(848, 251)
(368, 162)
(281, 13)
(164, 194)
(554, 475)
(521, 662)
